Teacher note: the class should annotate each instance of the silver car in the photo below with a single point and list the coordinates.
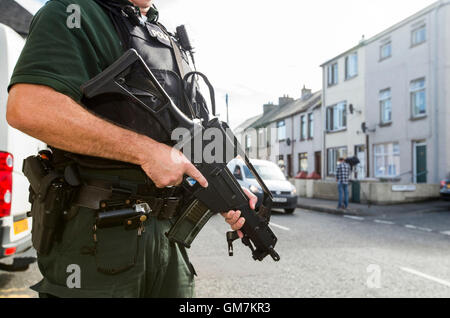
(284, 193)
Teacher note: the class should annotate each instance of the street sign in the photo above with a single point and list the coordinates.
(404, 188)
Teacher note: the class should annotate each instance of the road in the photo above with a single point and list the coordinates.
(323, 255)
(333, 256)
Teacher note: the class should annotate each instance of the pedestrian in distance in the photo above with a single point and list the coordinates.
(343, 171)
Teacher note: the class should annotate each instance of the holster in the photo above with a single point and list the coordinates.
(50, 198)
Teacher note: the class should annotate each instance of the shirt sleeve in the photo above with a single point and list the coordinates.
(55, 54)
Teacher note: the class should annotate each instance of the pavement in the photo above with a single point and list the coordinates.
(328, 206)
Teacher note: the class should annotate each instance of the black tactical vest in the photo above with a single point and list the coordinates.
(155, 45)
(157, 48)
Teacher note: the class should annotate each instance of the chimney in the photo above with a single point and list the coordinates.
(284, 100)
(268, 107)
(306, 92)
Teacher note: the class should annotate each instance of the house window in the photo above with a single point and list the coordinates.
(303, 127)
(386, 106)
(281, 163)
(333, 155)
(385, 51)
(262, 137)
(337, 117)
(419, 35)
(333, 74)
(281, 128)
(387, 160)
(303, 162)
(418, 98)
(351, 66)
(248, 142)
(311, 126)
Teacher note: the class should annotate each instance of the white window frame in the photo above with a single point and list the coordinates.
(382, 47)
(414, 40)
(303, 127)
(415, 90)
(351, 66)
(332, 159)
(281, 130)
(385, 100)
(262, 137)
(392, 158)
(333, 72)
(310, 126)
(303, 157)
(339, 122)
(248, 142)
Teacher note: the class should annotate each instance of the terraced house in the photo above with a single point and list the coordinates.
(407, 99)
(343, 106)
(289, 134)
(385, 101)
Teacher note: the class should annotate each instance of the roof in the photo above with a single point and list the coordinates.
(15, 16)
(296, 107)
(246, 124)
(299, 106)
(265, 118)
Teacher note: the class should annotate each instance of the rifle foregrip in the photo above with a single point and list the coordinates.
(261, 235)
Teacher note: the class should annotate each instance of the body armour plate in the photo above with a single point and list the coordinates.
(154, 45)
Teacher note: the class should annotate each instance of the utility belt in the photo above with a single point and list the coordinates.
(56, 194)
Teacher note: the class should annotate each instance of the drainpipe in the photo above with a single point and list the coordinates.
(324, 130)
(368, 153)
(442, 3)
(292, 147)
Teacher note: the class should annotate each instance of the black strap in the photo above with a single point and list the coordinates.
(114, 12)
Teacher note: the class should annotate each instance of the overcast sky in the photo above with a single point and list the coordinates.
(258, 50)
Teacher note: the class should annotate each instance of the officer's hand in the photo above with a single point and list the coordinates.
(234, 217)
(166, 166)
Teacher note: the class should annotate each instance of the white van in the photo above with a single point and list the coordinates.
(15, 146)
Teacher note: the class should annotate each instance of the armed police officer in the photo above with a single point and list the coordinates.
(109, 154)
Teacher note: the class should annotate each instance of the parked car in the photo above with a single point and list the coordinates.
(284, 193)
(445, 188)
(15, 146)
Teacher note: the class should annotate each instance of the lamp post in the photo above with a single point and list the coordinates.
(226, 102)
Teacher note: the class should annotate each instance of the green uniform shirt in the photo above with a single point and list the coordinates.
(64, 58)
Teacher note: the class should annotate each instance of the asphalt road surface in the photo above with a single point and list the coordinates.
(405, 255)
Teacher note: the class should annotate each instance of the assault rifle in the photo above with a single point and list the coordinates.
(131, 78)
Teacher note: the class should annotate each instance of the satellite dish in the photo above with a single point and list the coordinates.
(351, 108)
(288, 141)
(364, 127)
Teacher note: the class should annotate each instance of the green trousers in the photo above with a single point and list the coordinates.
(151, 265)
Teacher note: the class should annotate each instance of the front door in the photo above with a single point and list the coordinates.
(289, 166)
(318, 162)
(361, 168)
(421, 163)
